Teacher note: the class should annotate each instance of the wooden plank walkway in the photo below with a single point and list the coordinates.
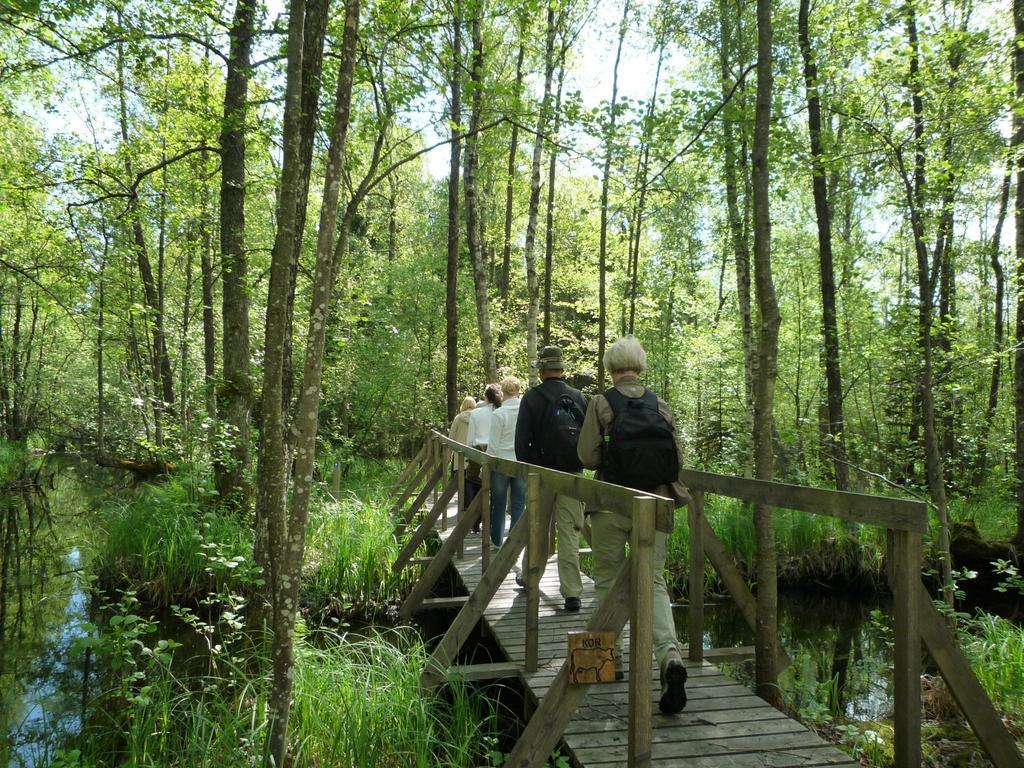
(724, 724)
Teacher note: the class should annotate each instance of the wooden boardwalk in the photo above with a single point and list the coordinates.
(724, 724)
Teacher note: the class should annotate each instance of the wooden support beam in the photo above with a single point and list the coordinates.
(425, 527)
(898, 514)
(481, 672)
(535, 556)
(963, 684)
(409, 471)
(474, 608)
(441, 603)
(695, 613)
(905, 576)
(417, 480)
(438, 563)
(485, 516)
(641, 623)
(734, 582)
(548, 723)
(418, 503)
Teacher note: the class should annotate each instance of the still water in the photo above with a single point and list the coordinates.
(840, 644)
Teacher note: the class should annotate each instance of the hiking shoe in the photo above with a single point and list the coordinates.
(520, 581)
(673, 684)
(572, 604)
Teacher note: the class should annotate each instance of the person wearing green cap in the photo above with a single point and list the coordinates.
(548, 426)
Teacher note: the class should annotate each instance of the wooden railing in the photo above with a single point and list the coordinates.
(915, 616)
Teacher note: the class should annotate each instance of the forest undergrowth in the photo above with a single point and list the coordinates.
(205, 703)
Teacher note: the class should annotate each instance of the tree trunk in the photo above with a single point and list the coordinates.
(823, 213)
(451, 305)
(549, 221)
(288, 540)
(1018, 220)
(209, 329)
(915, 201)
(513, 148)
(765, 372)
(101, 405)
(314, 28)
(981, 450)
(235, 397)
(737, 228)
(602, 255)
(473, 238)
(529, 247)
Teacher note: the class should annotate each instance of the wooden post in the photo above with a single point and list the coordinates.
(406, 518)
(534, 552)
(641, 630)
(695, 511)
(485, 517)
(421, 475)
(460, 476)
(905, 569)
(336, 480)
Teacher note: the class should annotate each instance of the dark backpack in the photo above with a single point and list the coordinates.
(559, 432)
(640, 448)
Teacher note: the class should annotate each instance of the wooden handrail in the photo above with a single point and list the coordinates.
(883, 511)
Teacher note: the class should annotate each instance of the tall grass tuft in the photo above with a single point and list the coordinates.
(351, 549)
(359, 703)
(995, 647)
(161, 542)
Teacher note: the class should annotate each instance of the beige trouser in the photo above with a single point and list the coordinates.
(568, 514)
(609, 534)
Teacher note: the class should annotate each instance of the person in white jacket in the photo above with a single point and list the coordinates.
(502, 443)
(476, 437)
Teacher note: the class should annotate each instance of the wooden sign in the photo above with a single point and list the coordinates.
(591, 657)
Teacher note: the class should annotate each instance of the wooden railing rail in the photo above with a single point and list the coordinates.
(915, 618)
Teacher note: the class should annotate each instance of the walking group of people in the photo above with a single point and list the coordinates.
(626, 434)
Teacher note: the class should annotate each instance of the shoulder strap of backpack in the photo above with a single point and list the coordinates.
(650, 399)
(615, 399)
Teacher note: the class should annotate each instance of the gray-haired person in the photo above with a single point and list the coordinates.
(606, 446)
(550, 417)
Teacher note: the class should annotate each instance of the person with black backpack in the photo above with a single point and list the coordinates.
(550, 418)
(628, 436)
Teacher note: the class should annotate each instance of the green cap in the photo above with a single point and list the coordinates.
(549, 359)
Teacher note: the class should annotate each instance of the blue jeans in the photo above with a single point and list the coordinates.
(499, 495)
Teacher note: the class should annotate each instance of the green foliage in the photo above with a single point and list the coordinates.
(351, 549)
(164, 542)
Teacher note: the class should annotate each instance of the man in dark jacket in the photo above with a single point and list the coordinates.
(550, 416)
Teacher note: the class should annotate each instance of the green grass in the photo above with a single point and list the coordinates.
(166, 546)
(350, 552)
(356, 703)
(810, 547)
(993, 513)
(995, 648)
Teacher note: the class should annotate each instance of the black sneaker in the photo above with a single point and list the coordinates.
(673, 684)
(520, 581)
(572, 604)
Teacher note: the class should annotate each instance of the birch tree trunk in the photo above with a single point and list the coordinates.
(473, 235)
(513, 148)
(288, 551)
(451, 305)
(549, 221)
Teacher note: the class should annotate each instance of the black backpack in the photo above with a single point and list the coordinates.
(640, 448)
(559, 432)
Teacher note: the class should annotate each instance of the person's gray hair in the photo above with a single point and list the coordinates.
(625, 354)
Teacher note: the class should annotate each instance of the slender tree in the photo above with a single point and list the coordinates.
(1018, 219)
(451, 292)
(767, 345)
(823, 215)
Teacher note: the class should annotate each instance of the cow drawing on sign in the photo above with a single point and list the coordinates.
(589, 666)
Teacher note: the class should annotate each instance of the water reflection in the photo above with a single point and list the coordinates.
(43, 607)
(841, 647)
